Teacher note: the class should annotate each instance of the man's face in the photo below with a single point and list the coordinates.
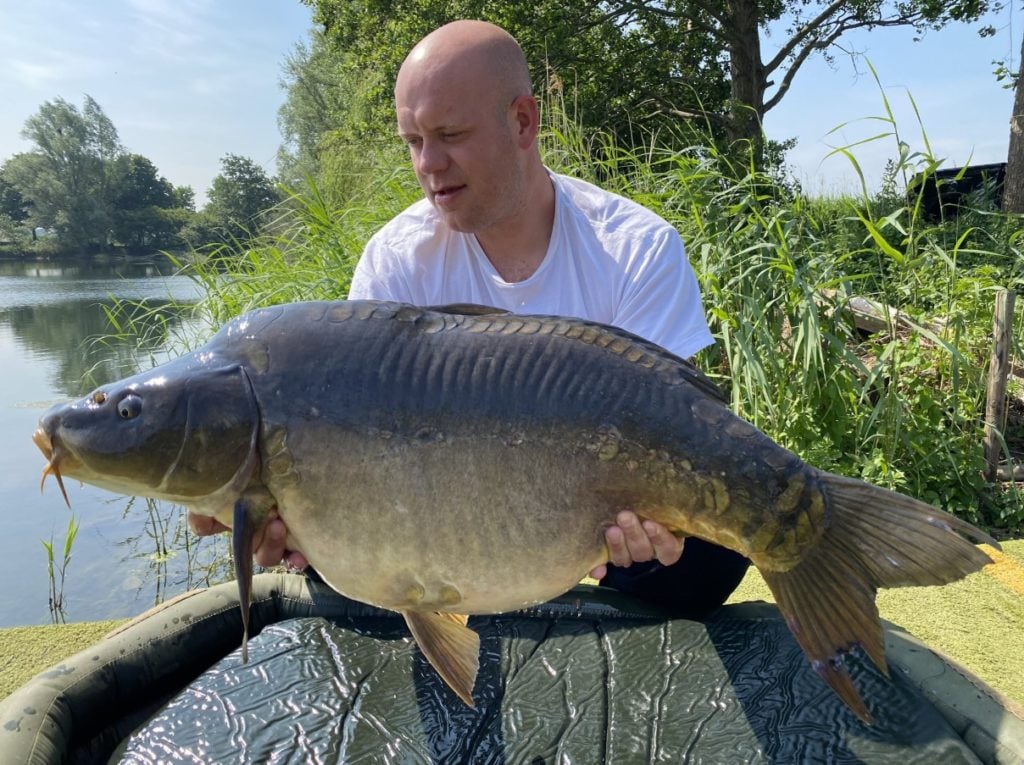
(464, 149)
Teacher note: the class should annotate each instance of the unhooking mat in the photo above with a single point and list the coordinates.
(590, 678)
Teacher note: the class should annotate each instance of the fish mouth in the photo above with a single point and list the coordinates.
(57, 456)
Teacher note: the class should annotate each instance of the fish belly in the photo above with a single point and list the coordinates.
(461, 522)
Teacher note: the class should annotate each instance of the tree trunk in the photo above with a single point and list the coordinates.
(746, 72)
(1013, 186)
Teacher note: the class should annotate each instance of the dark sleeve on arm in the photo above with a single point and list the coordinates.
(703, 578)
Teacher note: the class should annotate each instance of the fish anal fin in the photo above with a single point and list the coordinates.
(452, 648)
(462, 619)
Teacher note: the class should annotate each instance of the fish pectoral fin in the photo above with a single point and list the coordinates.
(668, 517)
(452, 648)
(250, 512)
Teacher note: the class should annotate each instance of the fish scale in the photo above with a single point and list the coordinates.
(457, 460)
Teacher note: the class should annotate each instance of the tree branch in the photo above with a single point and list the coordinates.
(801, 35)
(840, 28)
(798, 61)
(686, 113)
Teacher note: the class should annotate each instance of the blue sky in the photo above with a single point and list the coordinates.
(184, 81)
(187, 81)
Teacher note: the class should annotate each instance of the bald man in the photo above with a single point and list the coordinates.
(496, 227)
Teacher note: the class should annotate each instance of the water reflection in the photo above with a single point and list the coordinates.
(77, 337)
(97, 268)
(175, 559)
(57, 342)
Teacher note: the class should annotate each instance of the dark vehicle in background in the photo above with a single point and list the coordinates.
(945, 191)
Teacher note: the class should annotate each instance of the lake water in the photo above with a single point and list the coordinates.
(128, 554)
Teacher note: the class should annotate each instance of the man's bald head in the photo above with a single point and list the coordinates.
(468, 49)
(465, 109)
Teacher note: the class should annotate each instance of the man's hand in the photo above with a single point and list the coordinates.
(269, 549)
(632, 542)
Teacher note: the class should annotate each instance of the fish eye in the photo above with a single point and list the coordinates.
(129, 407)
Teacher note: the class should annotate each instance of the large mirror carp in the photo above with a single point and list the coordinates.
(463, 460)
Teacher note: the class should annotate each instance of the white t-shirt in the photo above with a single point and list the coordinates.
(609, 260)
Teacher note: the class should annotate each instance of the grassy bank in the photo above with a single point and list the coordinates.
(27, 651)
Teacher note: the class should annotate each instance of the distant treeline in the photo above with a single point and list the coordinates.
(79, 191)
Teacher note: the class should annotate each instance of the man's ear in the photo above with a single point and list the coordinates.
(527, 119)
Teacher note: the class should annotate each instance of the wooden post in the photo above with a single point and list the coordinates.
(998, 369)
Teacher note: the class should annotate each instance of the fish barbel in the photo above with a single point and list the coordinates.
(463, 460)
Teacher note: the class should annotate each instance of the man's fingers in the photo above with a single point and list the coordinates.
(637, 542)
(618, 553)
(270, 549)
(204, 525)
(668, 548)
(631, 541)
(268, 546)
(295, 561)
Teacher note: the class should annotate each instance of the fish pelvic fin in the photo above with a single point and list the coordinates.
(874, 538)
(250, 514)
(452, 648)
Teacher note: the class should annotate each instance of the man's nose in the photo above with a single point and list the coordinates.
(433, 157)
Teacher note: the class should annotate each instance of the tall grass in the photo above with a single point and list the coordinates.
(312, 248)
(57, 570)
(902, 407)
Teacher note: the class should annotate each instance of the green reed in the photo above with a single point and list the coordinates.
(57, 571)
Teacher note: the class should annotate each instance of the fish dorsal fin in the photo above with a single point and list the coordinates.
(467, 309)
(450, 646)
(607, 336)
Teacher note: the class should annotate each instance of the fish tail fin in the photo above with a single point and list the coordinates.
(875, 538)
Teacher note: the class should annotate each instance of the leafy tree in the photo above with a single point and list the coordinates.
(12, 203)
(327, 100)
(327, 121)
(240, 196)
(201, 229)
(185, 198)
(138, 195)
(609, 71)
(13, 212)
(643, 60)
(136, 183)
(65, 176)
